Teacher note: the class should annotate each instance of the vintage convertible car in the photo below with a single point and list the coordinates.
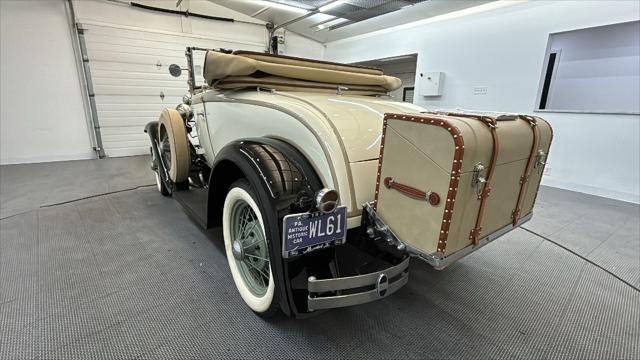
(325, 187)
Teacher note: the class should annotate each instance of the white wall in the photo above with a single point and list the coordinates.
(503, 49)
(42, 117)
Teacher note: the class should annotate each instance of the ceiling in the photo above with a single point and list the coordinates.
(329, 20)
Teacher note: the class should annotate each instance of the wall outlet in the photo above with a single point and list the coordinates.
(547, 171)
(480, 90)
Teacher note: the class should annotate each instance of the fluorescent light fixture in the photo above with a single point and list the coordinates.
(330, 5)
(329, 24)
(336, 21)
(448, 16)
(280, 6)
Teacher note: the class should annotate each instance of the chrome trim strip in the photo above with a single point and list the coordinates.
(330, 302)
(357, 281)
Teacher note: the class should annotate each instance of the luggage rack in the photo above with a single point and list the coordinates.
(376, 228)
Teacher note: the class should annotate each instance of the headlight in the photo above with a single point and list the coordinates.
(185, 111)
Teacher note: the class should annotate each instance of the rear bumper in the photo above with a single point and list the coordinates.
(358, 289)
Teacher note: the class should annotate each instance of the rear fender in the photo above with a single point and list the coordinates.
(290, 183)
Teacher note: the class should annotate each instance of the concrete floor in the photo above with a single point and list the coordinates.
(128, 275)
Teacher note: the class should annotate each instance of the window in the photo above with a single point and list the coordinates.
(595, 70)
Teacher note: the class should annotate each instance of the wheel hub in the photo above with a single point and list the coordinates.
(237, 250)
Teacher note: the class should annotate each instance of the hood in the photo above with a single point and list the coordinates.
(358, 120)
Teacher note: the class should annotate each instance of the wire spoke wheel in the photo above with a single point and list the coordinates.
(247, 244)
(249, 248)
(165, 147)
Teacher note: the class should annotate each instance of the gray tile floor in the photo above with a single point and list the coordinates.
(26, 187)
(128, 275)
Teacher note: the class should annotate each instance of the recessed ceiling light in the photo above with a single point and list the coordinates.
(280, 6)
(330, 5)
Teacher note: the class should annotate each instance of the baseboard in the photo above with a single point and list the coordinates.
(47, 158)
(592, 190)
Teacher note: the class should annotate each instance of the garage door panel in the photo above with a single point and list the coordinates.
(131, 113)
(121, 130)
(125, 138)
(106, 40)
(97, 65)
(154, 108)
(137, 90)
(120, 144)
(129, 72)
(117, 81)
(130, 33)
(131, 151)
(142, 100)
(101, 51)
(131, 58)
(137, 121)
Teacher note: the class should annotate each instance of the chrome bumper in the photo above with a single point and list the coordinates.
(359, 289)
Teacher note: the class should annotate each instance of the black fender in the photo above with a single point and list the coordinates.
(157, 165)
(290, 183)
(152, 131)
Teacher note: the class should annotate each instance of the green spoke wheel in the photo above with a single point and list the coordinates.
(165, 147)
(247, 247)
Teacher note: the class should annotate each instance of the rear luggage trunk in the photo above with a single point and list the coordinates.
(448, 183)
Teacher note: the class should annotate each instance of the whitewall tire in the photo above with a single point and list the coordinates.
(247, 250)
(174, 146)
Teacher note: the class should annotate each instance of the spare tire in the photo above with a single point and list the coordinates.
(174, 146)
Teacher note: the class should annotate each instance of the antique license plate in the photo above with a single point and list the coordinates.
(306, 232)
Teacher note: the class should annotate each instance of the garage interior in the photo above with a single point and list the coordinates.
(94, 263)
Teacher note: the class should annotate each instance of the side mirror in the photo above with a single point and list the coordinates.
(175, 70)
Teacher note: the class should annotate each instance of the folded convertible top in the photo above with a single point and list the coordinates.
(249, 69)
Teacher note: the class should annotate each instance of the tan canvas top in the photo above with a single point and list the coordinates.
(247, 69)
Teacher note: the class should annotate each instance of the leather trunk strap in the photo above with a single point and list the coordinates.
(491, 122)
(486, 190)
(524, 179)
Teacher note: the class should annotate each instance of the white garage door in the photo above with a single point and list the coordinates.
(131, 80)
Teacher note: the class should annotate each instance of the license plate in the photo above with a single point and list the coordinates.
(306, 232)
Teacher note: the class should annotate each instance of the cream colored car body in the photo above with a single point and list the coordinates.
(339, 134)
